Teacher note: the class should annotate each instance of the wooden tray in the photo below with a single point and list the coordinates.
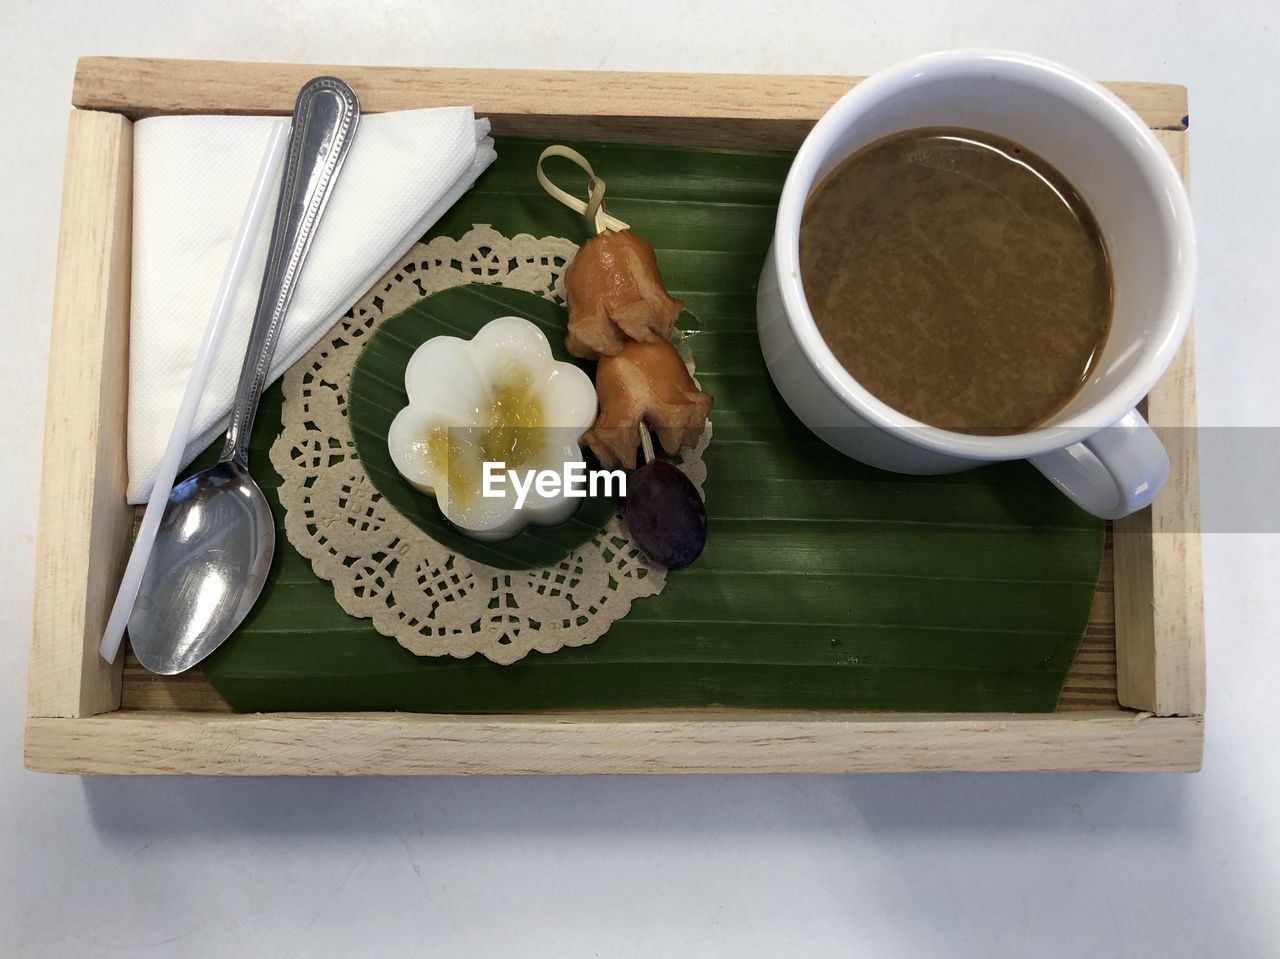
(1134, 699)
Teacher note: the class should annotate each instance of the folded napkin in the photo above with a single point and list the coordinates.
(191, 181)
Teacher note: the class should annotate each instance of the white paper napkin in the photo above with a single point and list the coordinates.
(191, 180)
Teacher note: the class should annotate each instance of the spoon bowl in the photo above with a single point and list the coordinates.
(207, 569)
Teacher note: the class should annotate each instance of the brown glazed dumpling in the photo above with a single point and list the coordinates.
(645, 382)
(616, 294)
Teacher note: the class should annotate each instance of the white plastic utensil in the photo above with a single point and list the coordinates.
(260, 198)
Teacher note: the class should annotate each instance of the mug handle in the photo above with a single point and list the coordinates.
(1115, 472)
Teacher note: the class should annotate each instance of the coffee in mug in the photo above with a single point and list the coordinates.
(959, 277)
(921, 354)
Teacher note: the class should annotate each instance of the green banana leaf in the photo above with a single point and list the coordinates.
(825, 584)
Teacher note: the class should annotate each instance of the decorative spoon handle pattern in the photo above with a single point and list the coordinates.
(324, 122)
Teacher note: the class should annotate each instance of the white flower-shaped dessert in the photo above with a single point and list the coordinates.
(499, 397)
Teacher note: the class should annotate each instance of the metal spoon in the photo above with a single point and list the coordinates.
(216, 539)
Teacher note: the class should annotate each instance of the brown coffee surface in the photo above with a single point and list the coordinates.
(958, 277)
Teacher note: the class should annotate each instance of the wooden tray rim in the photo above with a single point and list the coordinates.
(74, 725)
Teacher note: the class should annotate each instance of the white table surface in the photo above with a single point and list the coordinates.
(954, 865)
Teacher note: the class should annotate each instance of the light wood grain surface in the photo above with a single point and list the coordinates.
(697, 109)
(391, 744)
(1158, 577)
(1091, 681)
(84, 525)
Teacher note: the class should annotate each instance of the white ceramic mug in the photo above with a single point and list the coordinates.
(1098, 449)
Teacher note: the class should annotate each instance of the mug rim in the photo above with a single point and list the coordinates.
(1156, 166)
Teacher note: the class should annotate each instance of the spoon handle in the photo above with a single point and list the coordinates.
(324, 122)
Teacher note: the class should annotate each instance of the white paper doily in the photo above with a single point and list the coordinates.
(432, 601)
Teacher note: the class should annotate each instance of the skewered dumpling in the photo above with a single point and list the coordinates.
(645, 382)
(616, 295)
